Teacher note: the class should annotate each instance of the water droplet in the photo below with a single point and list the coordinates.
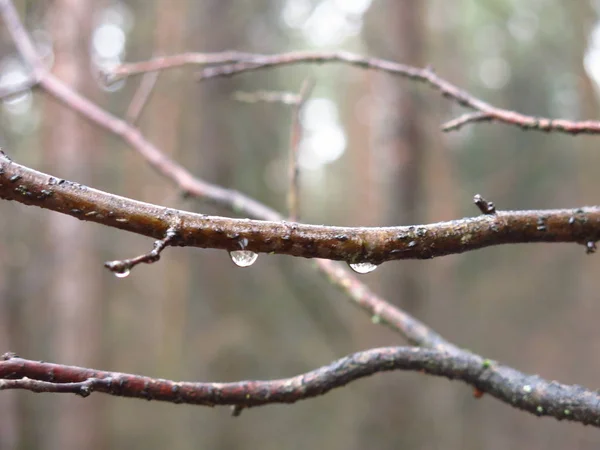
(363, 267)
(123, 273)
(243, 258)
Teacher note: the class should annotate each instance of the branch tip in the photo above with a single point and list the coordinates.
(484, 206)
(122, 268)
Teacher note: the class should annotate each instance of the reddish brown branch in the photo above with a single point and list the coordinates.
(527, 392)
(372, 244)
(121, 268)
(230, 64)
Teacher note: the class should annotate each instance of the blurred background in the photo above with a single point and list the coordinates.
(372, 154)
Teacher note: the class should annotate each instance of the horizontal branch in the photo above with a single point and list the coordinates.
(527, 392)
(353, 245)
(228, 64)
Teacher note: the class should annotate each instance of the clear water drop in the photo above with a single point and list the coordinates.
(243, 258)
(123, 273)
(363, 267)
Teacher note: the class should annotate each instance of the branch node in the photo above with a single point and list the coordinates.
(484, 206)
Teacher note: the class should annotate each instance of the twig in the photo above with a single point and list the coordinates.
(141, 97)
(229, 64)
(295, 138)
(122, 268)
(484, 206)
(169, 62)
(426, 75)
(527, 392)
(350, 244)
(459, 122)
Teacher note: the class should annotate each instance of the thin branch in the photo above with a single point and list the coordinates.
(121, 268)
(459, 122)
(230, 64)
(295, 139)
(350, 244)
(527, 392)
(141, 97)
(170, 62)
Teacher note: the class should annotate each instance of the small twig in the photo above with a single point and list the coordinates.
(141, 97)
(459, 122)
(81, 388)
(122, 268)
(484, 206)
(295, 139)
(116, 73)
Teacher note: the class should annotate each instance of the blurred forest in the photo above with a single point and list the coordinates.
(372, 154)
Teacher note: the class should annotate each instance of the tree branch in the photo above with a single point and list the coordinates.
(353, 245)
(230, 64)
(527, 392)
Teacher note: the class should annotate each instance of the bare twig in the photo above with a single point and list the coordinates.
(229, 64)
(295, 138)
(169, 62)
(527, 392)
(121, 268)
(350, 244)
(484, 206)
(141, 97)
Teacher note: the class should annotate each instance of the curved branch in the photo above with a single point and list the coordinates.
(229, 64)
(372, 244)
(527, 392)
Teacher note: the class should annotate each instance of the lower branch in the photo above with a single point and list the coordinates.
(527, 392)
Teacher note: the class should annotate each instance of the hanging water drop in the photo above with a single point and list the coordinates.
(123, 273)
(243, 258)
(363, 267)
